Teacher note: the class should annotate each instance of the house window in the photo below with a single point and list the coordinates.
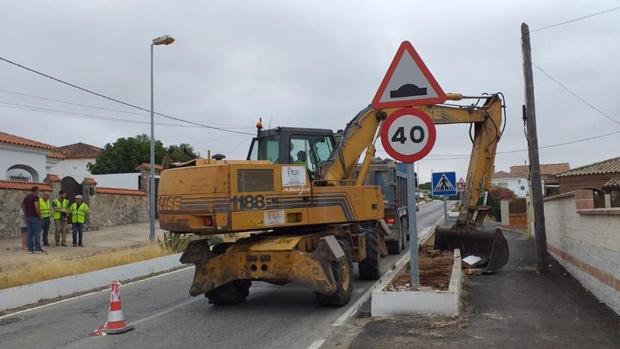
(22, 173)
(522, 188)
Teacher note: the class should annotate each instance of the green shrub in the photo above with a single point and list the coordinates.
(174, 243)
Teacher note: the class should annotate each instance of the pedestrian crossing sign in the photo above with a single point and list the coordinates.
(444, 184)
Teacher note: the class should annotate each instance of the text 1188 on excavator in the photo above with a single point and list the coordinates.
(303, 197)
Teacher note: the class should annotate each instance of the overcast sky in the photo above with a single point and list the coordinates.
(306, 64)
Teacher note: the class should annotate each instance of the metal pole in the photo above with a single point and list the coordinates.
(413, 226)
(152, 172)
(445, 208)
(532, 140)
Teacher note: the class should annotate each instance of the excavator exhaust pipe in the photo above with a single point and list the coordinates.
(488, 244)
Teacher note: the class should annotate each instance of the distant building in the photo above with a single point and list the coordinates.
(602, 176)
(77, 157)
(27, 160)
(548, 174)
(517, 185)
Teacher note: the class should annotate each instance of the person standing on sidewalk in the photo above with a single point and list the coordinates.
(45, 209)
(30, 205)
(60, 206)
(79, 210)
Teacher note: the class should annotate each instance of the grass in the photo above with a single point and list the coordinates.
(53, 268)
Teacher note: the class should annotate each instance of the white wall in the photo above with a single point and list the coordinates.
(587, 245)
(118, 180)
(75, 168)
(517, 185)
(14, 155)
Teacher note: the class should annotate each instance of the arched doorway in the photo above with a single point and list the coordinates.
(71, 187)
(22, 173)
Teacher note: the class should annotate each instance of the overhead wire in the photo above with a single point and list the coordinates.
(118, 100)
(583, 100)
(574, 19)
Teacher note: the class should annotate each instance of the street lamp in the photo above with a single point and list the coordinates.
(162, 40)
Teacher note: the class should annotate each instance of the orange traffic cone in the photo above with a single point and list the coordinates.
(116, 321)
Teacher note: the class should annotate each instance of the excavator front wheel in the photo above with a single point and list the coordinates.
(343, 274)
(230, 294)
(369, 267)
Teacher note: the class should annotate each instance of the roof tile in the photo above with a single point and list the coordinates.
(80, 151)
(601, 167)
(9, 185)
(545, 169)
(24, 142)
(502, 174)
(120, 191)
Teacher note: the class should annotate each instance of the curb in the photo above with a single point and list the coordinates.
(32, 293)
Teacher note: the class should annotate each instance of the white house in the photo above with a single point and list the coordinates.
(518, 185)
(26, 160)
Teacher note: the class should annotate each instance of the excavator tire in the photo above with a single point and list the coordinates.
(369, 267)
(343, 273)
(230, 294)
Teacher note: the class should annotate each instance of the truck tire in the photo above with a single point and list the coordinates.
(393, 246)
(369, 267)
(404, 229)
(231, 293)
(343, 273)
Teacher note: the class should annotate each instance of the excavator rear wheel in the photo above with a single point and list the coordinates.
(230, 294)
(343, 273)
(369, 267)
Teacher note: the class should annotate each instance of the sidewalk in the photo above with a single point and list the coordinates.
(115, 238)
(516, 308)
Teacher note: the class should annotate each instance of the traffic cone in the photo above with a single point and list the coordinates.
(116, 321)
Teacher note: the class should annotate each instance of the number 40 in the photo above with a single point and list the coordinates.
(399, 135)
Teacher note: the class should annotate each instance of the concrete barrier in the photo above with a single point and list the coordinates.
(32, 293)
(393, 303)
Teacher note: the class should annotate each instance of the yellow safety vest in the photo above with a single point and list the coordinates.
(60, 207)
(44, 208)
(78, 214)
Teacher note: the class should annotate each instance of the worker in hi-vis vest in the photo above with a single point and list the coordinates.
(79, 210)
(45, 213)
(60, 206)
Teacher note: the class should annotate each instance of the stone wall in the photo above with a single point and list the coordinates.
(108, 206)
(586, 241)
(11, 196)
(112, 206)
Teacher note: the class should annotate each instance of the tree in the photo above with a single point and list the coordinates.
(426, 186)
(181, 153)
(124, 155)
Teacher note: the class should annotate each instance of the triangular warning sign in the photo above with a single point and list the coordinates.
(408, 82)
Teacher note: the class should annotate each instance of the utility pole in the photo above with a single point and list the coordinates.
(532, 140)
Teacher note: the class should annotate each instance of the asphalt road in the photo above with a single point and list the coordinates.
(165, 316)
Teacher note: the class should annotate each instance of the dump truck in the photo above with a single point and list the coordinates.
(310, 213)
(392, 179)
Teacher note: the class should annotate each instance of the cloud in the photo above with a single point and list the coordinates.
(309, 64)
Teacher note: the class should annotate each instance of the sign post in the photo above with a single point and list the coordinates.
(444, 185)
(408, 134)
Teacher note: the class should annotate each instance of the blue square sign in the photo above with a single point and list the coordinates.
(444, 183)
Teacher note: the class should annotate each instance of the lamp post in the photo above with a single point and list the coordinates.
(162, 40)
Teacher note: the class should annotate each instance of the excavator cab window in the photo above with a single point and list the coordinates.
(265, 148)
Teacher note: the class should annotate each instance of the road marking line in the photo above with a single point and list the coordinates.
(317, 343)
(164, 312)
(91, 293)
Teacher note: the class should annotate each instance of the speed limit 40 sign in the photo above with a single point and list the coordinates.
(408, 134)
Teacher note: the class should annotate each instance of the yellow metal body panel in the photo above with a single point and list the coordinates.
(225, 197)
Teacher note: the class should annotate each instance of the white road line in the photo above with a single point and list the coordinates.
(317, 343)
(91, 293)
(164, 312)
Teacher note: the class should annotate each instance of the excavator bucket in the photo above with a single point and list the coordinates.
(488, 244)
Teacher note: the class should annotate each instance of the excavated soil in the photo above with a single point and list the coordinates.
(435, 270)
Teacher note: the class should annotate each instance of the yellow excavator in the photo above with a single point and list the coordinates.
(301, 196)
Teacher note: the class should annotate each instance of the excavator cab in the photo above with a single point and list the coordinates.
(293, 145)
